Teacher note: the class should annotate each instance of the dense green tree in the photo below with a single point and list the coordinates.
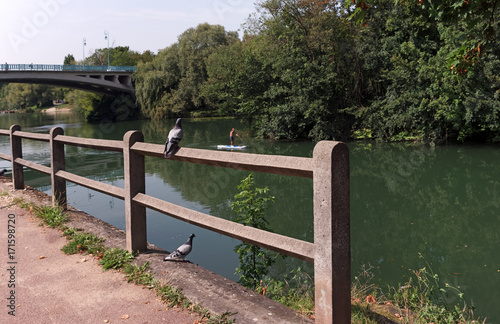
(69, 60)
(479, 18)
(3, 101)
(98, 108)
(23, 96)
(170, 83)
(416, 93)
(118, 56)
(294, 75)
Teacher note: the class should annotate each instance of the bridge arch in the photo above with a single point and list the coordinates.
(108, 80)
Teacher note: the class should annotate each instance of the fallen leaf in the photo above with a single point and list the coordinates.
(42, 257)
(124, 316)
(83, 260)
(106, 321)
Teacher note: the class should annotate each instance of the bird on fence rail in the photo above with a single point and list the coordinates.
(173, 140)
(182, 251)
(3, 172)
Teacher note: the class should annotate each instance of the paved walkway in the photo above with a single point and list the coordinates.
(40, 284)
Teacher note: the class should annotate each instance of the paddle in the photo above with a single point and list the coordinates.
(242, 140)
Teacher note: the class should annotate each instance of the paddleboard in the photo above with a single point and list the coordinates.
(231, 147)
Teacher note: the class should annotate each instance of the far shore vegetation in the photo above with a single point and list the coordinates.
(388, 70)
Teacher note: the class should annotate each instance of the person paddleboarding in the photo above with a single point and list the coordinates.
(231, 135)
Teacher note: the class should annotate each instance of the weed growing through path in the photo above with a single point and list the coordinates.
(82, 242)
(139, 274)
(53, 217)
(115, 258)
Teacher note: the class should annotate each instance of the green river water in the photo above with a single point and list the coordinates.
(406, 199)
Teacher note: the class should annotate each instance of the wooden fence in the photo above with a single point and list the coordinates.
(329, 168)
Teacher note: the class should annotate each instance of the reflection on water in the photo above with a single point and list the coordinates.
(406, 199)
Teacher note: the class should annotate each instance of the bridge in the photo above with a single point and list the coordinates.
(108, 80)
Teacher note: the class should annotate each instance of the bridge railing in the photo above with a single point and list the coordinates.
(56, 67)
(329, 168)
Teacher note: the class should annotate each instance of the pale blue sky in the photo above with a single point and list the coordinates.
(45, 31)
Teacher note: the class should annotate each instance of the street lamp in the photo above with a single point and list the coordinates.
(106, 36)
(84, 43)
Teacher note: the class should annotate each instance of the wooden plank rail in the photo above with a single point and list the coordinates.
(329, 169)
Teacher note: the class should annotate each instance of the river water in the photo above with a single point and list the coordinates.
(412, 206)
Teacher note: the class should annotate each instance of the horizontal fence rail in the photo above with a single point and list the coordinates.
(329, 169)
(279, 243)
(278, 164)
(58, 67)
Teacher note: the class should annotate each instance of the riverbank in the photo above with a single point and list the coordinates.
(200, 286)
(54, 110)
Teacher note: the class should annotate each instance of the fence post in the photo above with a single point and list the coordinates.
(16, 148)
(135, 182)
(332, 259)
(57, 162)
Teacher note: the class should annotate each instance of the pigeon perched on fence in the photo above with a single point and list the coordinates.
(182, 251)
(174, 137)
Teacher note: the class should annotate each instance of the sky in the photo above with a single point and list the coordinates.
(45, 31)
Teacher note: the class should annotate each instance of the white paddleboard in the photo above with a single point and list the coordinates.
(231, 147)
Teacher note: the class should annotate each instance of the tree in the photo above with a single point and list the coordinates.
(23, 96)
(170, 84)
(119, 55)
(295, 73)
(98, 108)
(417, 95)
(69, 60)
(479, 19)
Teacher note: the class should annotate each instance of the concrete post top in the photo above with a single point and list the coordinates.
(15, 127)
(56, 131)
(133, 136)
(329, 147)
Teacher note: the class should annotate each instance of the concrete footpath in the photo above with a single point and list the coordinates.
(40, 284)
